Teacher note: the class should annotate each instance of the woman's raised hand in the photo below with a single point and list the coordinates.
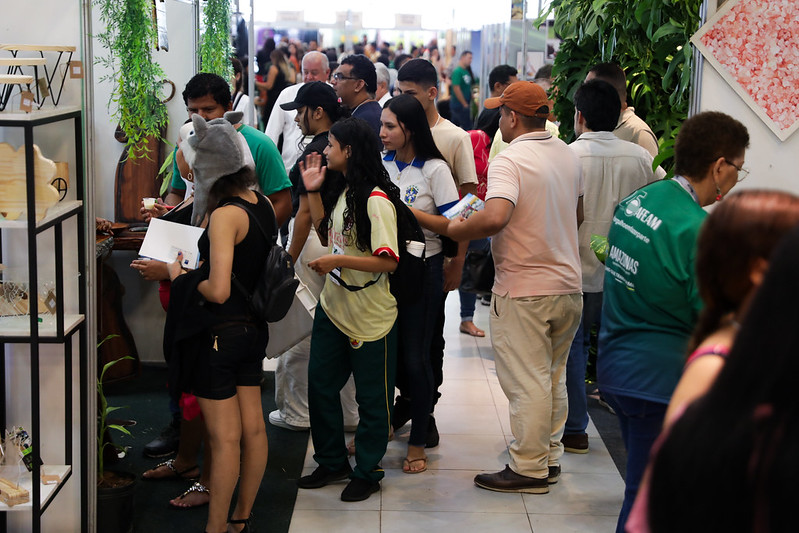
(313, 173)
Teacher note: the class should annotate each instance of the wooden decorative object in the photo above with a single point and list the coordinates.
(12, 182)
(12, 494)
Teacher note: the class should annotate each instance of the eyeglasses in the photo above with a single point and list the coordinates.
(742, 172)
(338, 76)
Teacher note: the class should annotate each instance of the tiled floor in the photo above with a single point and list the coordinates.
(472, 418)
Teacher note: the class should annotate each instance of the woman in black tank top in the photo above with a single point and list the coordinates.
(226, 371)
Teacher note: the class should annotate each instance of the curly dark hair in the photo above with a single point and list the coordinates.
(228, 186)
(206, 83)
(365, 171)
(703, 139)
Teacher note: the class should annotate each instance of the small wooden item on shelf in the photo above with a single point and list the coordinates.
(12, 182)
(12, 494)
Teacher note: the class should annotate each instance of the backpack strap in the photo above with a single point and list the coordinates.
(271, 239)
(353, 288)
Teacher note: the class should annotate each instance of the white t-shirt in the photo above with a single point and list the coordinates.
(427, 186)
(242, 102)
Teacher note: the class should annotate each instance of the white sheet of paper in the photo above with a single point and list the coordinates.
(165, 239)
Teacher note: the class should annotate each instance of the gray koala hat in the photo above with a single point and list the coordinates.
(212, 149)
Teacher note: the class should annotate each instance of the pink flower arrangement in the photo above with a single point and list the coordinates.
(757, 41)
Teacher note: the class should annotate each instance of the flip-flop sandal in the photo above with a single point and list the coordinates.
(406, 465)
(170, 464)
(474, 331)
(196, 487)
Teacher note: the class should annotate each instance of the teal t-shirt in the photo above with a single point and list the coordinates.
(461, 78)
(270, 172)
(651, 301)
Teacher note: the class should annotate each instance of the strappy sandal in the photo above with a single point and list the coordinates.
(196, 487)
(246, 521)
(406, 465)
(175, 473)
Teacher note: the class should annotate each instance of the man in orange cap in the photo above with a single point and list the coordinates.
(533, 208)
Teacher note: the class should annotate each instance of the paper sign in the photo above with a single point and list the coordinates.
(165, 239)
(75, 69)
(26, 102)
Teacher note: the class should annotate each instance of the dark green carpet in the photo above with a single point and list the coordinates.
(147, 402)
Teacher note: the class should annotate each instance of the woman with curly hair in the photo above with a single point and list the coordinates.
(354, 332)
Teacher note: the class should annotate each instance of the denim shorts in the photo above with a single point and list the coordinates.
(233, 359)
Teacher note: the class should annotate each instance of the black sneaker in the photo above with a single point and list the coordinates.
(166, 443)
(432, 433)
(401, 413)
(322, 476)
(359, 489)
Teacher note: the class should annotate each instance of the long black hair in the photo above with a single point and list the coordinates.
(364, 172)
(730, 462)
(412, 120)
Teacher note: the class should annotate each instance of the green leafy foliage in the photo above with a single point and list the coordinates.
(130, 36)
(215, 47)
(649, 39)
(103, 411)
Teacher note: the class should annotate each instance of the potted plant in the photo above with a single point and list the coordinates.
(130, 36)
(215, 47)
(114, 489)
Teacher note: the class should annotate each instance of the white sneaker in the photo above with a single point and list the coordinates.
(276, 419)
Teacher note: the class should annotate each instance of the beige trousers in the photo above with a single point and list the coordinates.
(531, 338)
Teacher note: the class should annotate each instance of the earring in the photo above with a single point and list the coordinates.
(718, 193)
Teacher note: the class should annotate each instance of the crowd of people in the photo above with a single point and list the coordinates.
(686, 304)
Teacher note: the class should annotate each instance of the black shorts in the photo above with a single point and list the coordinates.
(236, 361)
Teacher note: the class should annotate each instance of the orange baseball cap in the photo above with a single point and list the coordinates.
(524, 97)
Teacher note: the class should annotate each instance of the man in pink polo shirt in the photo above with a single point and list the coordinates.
(533, 208)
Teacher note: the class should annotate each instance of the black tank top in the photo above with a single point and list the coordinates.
(248, 256)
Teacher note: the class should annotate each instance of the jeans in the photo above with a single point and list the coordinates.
(641, 422)
(577, 420)
(468, 299)
(461, 116)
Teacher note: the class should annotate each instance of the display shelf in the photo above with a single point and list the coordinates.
(25, 481)
(56, 213)
(45, 113)
(18, 327)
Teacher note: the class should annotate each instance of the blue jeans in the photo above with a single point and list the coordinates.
(577, 420)
(461, 116)
(641, 422)
(468, 299)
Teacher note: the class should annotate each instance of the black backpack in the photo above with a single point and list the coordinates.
(274, 290)
(404, 281)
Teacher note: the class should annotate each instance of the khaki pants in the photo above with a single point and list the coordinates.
(531, 338)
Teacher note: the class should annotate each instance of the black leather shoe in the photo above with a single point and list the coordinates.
(401, 413)
(322, 476)
(166, 443)
(359, 489)
(554, 474)
(509, 481)
(432, 434)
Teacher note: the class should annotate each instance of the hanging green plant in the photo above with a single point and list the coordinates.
(215, 47)
(130, 36)
(649, 39)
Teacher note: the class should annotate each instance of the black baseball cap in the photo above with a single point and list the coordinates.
(314, 94)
